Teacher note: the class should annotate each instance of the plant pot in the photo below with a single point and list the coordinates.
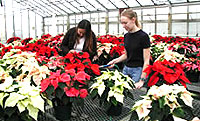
(114, 110)
(63, 112)
(168, 118)
(193, 76)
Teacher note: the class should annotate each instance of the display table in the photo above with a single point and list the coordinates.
(96, 113)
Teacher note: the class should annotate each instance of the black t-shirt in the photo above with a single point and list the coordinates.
(134, 44)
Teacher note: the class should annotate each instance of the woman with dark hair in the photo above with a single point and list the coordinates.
(80, 38)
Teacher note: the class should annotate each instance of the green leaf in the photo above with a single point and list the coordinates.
(161, 102)
(10, 110)
(94, 93)
(33, 112)
(13, 99)
(50, 90)
(2, 97)
(59, 93)
(134, 116)
(21, 107)
(155, 110)
(179, 112)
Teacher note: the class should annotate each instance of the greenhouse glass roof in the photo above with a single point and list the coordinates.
(47, 8)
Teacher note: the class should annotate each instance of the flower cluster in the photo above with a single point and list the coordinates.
(69, 77)
(112, 87)
(189, 47)
(20, 78)
(167, 72)
(164, 100)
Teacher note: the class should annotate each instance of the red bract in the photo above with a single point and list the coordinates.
(10, 40)
(166, 72)
(83, 93)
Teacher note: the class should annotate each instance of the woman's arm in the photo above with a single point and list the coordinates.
(117, 60)
(146, 56)
(68, 38)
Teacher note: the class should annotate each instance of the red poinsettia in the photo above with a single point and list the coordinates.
(167, 72)
(70, 76)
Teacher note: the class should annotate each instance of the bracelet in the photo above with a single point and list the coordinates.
(143, 79)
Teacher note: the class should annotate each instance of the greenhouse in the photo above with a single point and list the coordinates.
(99, 60)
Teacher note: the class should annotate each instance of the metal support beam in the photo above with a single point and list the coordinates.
(170, 20)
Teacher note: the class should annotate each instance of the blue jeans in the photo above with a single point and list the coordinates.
(133, 72)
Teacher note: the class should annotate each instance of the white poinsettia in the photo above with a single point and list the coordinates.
(22, 95)
(142, 108)
(113, 83)
(26, 64)
(99, 85)
(164, 95)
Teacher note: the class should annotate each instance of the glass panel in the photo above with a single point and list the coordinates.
(149, 11)
(25, 24)
(194, 16)
(87, 5)
(2, 24)
(46, 29)
(64, 8)
(149, 28)
(94, 17)
(60, 29)
(162, 28)
(17, 22)
(179, 9)
(178, 1)
(193, 0)
(179, 16)
(79, 18)
(162, 10)
(67, 4)
(194, 28)
(162, 17)
(96, 5)
(102, 29)
(145, 2)
(113, 28)
(95, 28)
(72, 19)
(86, 16)
(107, 4)
(47, 6)
(122, 31)
(194, 8)
(78, 6)
(102, 17)
(39, 26)
(119, 3)
(158, 2)
(132, 3)
(179, 28)
(32, 24)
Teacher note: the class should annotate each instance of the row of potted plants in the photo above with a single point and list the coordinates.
(66, 79)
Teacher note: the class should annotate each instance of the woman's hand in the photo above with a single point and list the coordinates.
(112, 63)
(95, 58)
(139, 84)
(72, 51)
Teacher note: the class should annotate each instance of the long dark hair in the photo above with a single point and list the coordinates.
(85, 24)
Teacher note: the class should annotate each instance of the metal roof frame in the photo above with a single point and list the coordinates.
(46, 8)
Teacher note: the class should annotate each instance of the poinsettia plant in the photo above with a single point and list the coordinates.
(163, 103)
(20, 95)
(167, 69)
(69, 79)
(111, 87)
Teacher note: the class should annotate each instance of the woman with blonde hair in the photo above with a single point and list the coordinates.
(137, 48)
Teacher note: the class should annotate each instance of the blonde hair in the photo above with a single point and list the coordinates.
(131, 14)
